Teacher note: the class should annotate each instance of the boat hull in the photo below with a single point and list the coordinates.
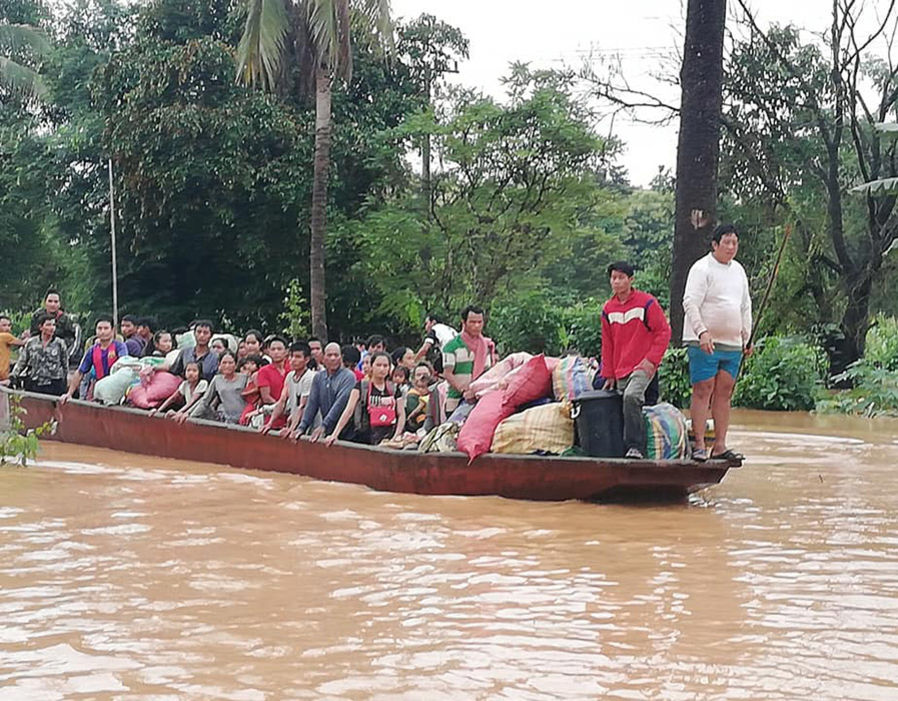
(533, 477)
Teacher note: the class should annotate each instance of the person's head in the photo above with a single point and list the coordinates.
(277, 349)
(430, 321)
(380, 365)
(241, 349)
(46, 322)
(227, 364)
(218, 345)
(252, 339)
(192, 372)
(376, 343)
(52, 302)
(5, 323)
(163, 341)
(299, 356)
(421, 376)
(317, 349)
(621, 275)
(333, 358)
(202, 332)
(472, 320)
(250, 364)
(104, 329)
(725, 243)
(128, 325)
(351, 355)
(146, 325)
(366, 365)
(400, 375)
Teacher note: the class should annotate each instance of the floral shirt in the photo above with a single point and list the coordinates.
(43, 364)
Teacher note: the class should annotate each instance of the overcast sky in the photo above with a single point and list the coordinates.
(565, 32)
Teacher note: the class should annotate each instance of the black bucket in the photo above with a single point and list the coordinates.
(599, 419)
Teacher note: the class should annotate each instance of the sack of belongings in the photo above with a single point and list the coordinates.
(533, 381)
(123, 373)
(570, 378)
(545, 429)
(159, 387)
(665, 432)
(441, 439)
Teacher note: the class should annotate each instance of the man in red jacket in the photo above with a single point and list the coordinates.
(635, 334)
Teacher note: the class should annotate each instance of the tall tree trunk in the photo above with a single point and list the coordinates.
(698, 148)
(319, 202)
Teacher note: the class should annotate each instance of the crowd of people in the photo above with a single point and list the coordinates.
(361, 392)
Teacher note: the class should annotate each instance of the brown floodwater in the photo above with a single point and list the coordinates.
(124, 576)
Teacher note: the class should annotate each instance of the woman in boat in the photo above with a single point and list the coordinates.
(223, 401)
(374, 405)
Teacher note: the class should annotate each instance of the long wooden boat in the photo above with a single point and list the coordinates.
(544, 478)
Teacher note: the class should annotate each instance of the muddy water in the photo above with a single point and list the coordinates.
(126, 577)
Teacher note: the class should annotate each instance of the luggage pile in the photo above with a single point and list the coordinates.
(542, 405)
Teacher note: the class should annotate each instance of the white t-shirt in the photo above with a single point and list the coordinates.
(717, 300)
(297, 389)
(187, 393)
(440, 334)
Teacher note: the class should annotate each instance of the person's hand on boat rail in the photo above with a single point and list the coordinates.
(63, 398)
(316, 434)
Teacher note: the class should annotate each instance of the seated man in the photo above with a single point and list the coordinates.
(44, 360)
(99, 358)
(329, 395)
(635, 334)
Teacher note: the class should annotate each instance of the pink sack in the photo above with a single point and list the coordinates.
(152, 394)
(531, 382)
(493, 378)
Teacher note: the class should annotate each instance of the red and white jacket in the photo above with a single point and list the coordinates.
(632, 331)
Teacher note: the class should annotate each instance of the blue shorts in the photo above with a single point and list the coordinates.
(703, 366)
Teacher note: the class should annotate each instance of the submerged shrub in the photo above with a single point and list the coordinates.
(783, 374)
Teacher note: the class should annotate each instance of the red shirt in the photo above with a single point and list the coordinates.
(632, 331)
(270, 376)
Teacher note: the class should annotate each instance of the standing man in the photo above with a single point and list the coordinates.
(65, 327)
(329, 394)
(99, 358)
(437, 335)
(133, 340)
(717, 327)
(146, 327)
(466, 357)
(635, 334)
(44, 360)
(317, 362)
(7, 341)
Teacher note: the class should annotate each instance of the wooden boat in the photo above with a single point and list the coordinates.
(544, 478)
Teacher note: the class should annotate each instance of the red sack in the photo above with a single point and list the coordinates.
(476, 435)
(158, 389)
(533, 381)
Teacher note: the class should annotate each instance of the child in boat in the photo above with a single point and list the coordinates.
(401, 380)
(417, 398)
(374, 405)
(189, 392)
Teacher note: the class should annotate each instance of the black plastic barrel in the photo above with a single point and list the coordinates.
(599, 420)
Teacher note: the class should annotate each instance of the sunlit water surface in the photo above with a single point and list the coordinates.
(124, 576)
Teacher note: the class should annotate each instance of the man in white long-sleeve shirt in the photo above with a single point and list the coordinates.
(716, 330)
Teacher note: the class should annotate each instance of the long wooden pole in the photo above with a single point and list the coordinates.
(114, 257)
(770, 283)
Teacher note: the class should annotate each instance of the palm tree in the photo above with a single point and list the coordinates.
(320, 32)
(16, 39)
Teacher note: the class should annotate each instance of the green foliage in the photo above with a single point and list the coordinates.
(527, 322)
(295, 318)
(582, 327)
(18, 444)
(783, 374)
(874, 378)
(673, 378)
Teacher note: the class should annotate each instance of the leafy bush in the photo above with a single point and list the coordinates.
(582, 330)
(784, 374)
(526, 322)
(874, 393)
(882, 344)
(673, 377)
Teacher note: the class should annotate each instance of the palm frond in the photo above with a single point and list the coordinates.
(21, 79)
(379, 22)
(883, 186)
(15, 38)
(261, 49)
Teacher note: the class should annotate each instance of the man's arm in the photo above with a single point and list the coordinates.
(22, 362)
(276, 412)
(345, 416)
(660, 329)
(607, 353)
(347, 384)
(747, 321)
(312, 407)
(693, 297)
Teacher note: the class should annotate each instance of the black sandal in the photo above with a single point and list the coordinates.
(728, 455)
